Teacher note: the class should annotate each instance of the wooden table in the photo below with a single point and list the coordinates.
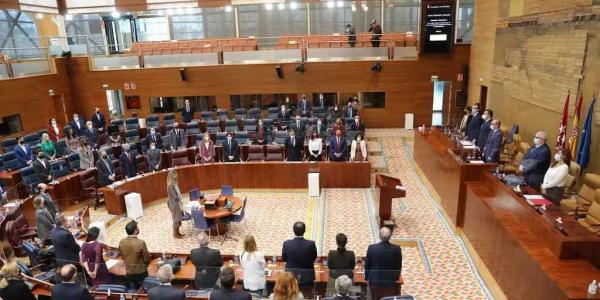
(13, 185)
(218, 212)
(259, 175)
(67, 190)
(436, 156)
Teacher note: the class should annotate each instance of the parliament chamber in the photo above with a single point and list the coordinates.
(375, 149)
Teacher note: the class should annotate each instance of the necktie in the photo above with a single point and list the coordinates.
(350, 112)
(338, 145)
(129, 157)
(357, 124)
(293, 142)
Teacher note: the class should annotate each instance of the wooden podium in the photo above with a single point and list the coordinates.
(387, 191)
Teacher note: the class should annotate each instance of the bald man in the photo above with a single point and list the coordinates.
(383, 266)
(536, 161)
(68, 289)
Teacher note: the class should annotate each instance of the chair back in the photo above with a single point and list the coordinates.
(192, 128)
(281, 136)
(10, 161)
(399, 297)
(113, 288)
(206, 115)
(511, 133)
(30, 178)
(169, 118)
(194, 194)
(250, 125)
(74, 161)
(59, 168)
(199, 219)
(255, 153)
(132, 135)
(243, 210)
(254, 113)
(591, 182)
(152, 121)
(274, 153)
(132, 123)
(231, 126)
(213, 126)
(32, 139)
(179, 158)
(242, 137)
(9, 144)
(222, 114)
(226, 190)
(150, 282)
(240, 113)
(221, 137)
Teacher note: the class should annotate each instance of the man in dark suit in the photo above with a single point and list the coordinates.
(65, 246)
(319, 128)
(23, 153)
(376, 36)
(207, 262)
(284, 115)
(68, 289)
(486, 128)
(165, 291)
(350, 112)
(491, 150)
(227, 292)
(98, 120)
(78, 126)
(383, 266)
(187, 113)
(358, 125)
(154, 157)
(304, 106)
(293, 147)
(299, 255)
(320, 101)
(298, 127)
(92, 134)
(536, 161)
(127, 162)
(3, 195)
(42, 168)
(153, 136)
(231, 150)
(177, 138)
(474, 124)
(338, 147)
(106, 171)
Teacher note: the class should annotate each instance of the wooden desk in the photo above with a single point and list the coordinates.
(502, 230)
(12, 183)
(447, 173)
(260, 175)
(67, 190)
(219, 212)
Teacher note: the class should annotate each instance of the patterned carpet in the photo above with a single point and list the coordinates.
(434, 266)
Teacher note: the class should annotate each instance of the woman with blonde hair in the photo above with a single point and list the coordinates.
(286, 288)
(12, 285)
(253, 264)
(174, 202)
(47, 147)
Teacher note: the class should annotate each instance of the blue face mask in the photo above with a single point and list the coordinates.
(492, 127)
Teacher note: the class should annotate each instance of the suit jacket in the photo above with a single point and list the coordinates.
(154, 159)
(23, 156)
(71, 291)
(86, 158)
(491, 150)
(174, 138)
(299, 129)
(304, 106)
(207, 155)
(383, 264)
(104, 168)
(49, 204)
(44, 223)
(484, 133)
(360, 127)
(341, 263)
(78, 131)
(208, 263)
(128, 165)
(231, 150)
(474, 127)
(284, 116)
(318, 102)
(535, 175)
(157, 139)
(229, 294)
(41, 171)
(16, 289)
(52, 134)
(92, 136)
(319, 129)
(165, 292)
(294, 152)
(65, 246)
(135, 254)
(98, 120)
(334, 148)
(186, 115)
(299, 255)
(350, 112)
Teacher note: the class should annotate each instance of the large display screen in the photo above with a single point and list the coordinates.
(438, 23)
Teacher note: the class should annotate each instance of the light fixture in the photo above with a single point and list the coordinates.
(340, 3)
(281, 6)
(294, 5)
(68, 17)
(330, 4)
(353, 7)
(365, 7)
(228, 8)
(269, 6)
(39, 16)
(115, 14)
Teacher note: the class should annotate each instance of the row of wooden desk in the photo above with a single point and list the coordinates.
(528, 256)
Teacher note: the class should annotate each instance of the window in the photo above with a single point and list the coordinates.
(402, 16)
(326, 18)
(373, 99)
(175, 104)
(464, 21)
(282, 19)
(11, 125)
(86, 25)
(218, 22)
(187, 27)
(330, 99)
(17, 30)
(246, 101)
(152, 29)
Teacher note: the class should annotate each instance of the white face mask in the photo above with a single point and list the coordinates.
(474, 111)
(321, 97)
(492, 127)
(76, 119)
(557, 157)
(537, 141)
(90, 127)
(152, 147)
(358, 138)
(206, 138)
(319, 123)
(485, 117)
(291, 136)
(53, 123)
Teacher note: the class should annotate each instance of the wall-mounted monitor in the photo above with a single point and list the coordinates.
(437, 26)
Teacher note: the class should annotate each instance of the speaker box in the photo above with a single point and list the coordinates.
(182, 74)
(279, 71)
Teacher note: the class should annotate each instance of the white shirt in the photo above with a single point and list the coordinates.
(315, 145)
(363, 149)
(556, 176)
(253, 264)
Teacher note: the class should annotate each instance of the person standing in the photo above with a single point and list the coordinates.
(376, 30)
(68, 289)
(555, 178)
(42, 168)
(86, 156)
(174, 202)
(491, 150)
(55, 131)
(128, 162)
(475, 124)
(464, 122)
(293, 147)
(23, 153)
(383, 266)
(207, 262)
(253, 264)
(177, 137)
(536, 161)
(231, 150)
(340, 261)
(48, 201)
(12, 285)
(227, 292)
(486, 128)
(187, 113)
(299, 255)
(358, 146)
(71, 140)
(153, 156)
(106, 171)
(155, 137)
(92, 134)
(47, 147)
(44, 221)
(98, 120)
(135, 254)
(206, 150)
(351, 33)
(92, 258)
(65, 246)
(315, 147)
(338, 147)
(78, 126)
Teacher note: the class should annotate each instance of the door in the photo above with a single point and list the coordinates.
(114, 100)
(483, 98)
(441, 102)
(60, 110)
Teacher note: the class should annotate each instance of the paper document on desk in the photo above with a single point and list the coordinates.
(466, 143)
(476, 161)
(111, 262)
(533, 197)
(471, 147)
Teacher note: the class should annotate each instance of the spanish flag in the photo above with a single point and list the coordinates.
(575, 129)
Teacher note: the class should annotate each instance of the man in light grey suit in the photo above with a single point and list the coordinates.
(153, 157)
(177, 138)
(44, 221)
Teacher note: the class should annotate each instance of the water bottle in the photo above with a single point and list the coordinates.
(593, 288)
(122, 297)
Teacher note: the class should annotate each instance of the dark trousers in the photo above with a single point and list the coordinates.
(384, 290)
(135, 279)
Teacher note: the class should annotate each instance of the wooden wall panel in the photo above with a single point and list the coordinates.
(407, 84)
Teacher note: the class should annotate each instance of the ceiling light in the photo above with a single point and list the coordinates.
(294, 5)
(281, 6)
(269, 6)
(68, 17)
(228, 8)
(330, 4)
(115, 14)
(340, 4)
(39, 16)
(365, 7)
(353, 7)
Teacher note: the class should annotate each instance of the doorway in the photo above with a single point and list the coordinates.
(60, 109)
(114, 99)
(441, 102)
(483, 97)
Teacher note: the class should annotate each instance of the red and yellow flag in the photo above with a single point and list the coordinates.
(562, 130)
(575, 129)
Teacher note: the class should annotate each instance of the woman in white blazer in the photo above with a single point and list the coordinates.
(358, 145)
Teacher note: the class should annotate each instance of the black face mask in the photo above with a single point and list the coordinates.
(21, 142)
(104, 156)
(40, 157)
